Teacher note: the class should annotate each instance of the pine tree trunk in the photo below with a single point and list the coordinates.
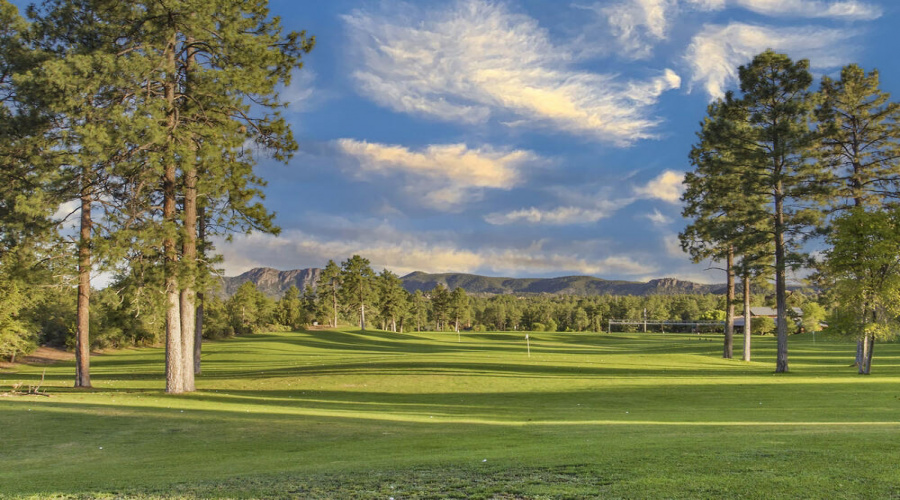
(198, 334)
(334, 304)
(83, 321)
(174, 356)
(728, 350)
(198, 327)
(781, 363)
(362, 316)
(187, 299)
(747, 329)
(869, 351)
(188, 294)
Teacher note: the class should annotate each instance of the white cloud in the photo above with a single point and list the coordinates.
(658, 218)
(638, 24)
(673, 246)
(67, 211)
(476, 61)
(301, 92)
(850, 10)
(444, 176)
(668, 186)
(404, 253)
(557, 216)
(716, 52)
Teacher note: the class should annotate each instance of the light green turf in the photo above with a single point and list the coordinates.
(348, 414)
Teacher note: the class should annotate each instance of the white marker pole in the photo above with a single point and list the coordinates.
(528, 342)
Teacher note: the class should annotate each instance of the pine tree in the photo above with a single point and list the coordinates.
(724, 223)
(358, 286)
(775, 156)
(860, 146)
(392, 298)
(440, 306)
(458, 307)
(330, 280)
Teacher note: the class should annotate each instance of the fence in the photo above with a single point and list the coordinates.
(695, 325)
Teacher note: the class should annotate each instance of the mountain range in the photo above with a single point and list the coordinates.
(274, 283)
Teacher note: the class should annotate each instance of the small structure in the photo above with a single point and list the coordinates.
(767, 312)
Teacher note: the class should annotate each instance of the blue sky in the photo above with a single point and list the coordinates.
(522, 138)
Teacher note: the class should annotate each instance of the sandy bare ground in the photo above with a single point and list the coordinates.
(42, 356)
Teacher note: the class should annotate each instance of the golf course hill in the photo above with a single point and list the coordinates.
(274, 283)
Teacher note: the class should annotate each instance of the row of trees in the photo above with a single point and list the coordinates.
(778, 166)
(143, 114)
(351, 292)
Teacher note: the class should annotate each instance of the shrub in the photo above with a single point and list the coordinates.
(762, 326)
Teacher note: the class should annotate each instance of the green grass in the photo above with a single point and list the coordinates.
(348, 414)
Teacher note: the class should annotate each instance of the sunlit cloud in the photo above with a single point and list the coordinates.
(476, 61)
(716, 52)
(444, 176)
(559, 216)
(668, 186)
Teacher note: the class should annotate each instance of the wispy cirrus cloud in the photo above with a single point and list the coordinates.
(658, 218)
(716, 52)
(474, 61)
(442, 176)
(849, 10)
(636, 25)
(559, 216)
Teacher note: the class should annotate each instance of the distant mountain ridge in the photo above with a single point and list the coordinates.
(274, 283)
(271, 282)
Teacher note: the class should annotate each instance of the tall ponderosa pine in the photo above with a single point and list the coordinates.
(329, 283)
(860, 139)
(775, 150)
(358, 286)
(200, 81)
(392, 298)
(459, 306)
(96, 131)
(861, 146)
(725, 222)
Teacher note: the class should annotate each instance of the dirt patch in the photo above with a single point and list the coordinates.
(48, 355)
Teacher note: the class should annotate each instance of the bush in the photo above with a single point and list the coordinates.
(538, 327)
(762, 326)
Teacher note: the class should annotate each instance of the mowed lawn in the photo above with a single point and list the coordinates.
(350, 414)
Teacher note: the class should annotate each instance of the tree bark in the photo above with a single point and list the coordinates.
(781, 363)
(83, 321)
(198, 327)
(334, 304)
(174, 355)
(746, 356)
(188, 297)
(869, 351)
(188, 294)
(728, 349)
